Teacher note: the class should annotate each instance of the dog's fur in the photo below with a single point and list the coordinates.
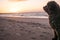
(53, 10)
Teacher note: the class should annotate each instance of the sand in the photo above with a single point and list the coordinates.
(16, 28)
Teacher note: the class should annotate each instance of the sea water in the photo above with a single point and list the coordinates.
(26, 15)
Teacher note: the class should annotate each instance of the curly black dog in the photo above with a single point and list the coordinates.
(53, 10)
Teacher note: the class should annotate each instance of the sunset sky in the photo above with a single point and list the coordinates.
(8, 6)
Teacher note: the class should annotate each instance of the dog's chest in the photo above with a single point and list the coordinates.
(55, 21)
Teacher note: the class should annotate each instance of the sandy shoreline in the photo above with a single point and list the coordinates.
(15, 28)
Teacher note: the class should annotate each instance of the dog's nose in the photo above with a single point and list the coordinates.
(45, 7)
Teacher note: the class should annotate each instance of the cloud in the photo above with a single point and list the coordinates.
(16, 0)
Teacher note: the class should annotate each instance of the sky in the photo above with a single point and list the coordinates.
(11, 6)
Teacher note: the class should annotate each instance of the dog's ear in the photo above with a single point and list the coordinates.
(53, 6)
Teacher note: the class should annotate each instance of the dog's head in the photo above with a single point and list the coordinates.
(51, 8)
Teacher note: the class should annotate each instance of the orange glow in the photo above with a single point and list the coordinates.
(8, 6)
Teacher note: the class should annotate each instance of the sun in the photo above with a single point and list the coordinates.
(13, 10)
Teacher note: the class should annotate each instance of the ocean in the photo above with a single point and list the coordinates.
(26, 15)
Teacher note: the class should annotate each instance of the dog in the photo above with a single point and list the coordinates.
(53, 10)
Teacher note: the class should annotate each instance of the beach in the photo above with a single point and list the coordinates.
(19, 28)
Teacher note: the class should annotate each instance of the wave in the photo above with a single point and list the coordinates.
(26, 15)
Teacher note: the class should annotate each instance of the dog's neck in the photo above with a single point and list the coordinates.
(52, 16)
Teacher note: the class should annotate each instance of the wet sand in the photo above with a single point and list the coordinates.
(16, 28)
